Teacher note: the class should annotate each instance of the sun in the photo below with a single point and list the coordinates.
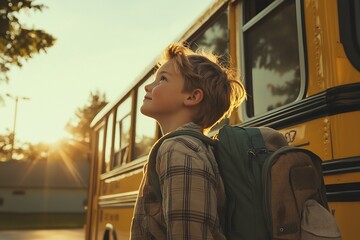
(51, 136)
(45, 133)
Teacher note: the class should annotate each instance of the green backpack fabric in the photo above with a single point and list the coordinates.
(268, 185)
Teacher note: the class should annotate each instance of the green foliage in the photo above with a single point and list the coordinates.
(18, 42)
(79, 126)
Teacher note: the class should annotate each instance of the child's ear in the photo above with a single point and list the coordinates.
(194, 98)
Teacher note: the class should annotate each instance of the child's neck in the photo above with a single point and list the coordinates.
(170, 122)
(169, 125)
(165, 129)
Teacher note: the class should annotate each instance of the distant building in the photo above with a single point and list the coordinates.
(43, 186)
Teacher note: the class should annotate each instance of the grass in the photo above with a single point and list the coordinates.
(10, 221)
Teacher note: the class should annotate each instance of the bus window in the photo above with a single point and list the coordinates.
(100, 145)
(122, 133)
(357, 23)
(272, 63)
(108, 144)
(254, 7)
(145, 131)
(215, 38)
(349, 23)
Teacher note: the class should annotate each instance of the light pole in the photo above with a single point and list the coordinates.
(16, 98)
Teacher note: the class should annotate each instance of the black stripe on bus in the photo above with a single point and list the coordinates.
(344, 165)
(344, 192)
(333, 101)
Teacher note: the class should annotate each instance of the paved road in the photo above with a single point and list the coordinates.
(56, 234)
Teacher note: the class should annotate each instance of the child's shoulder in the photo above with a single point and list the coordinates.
(181, 143)
(186, 143)
(176, 151)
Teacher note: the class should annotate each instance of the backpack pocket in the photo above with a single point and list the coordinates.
(280, 205)
(317, 223)
(291, 177)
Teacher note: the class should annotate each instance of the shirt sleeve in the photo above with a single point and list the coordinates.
(189, 199)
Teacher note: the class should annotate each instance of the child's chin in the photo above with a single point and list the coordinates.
(145, 111)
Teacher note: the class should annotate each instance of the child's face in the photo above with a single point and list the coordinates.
(164, 97)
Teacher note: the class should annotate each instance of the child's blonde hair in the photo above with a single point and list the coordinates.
(222, 88)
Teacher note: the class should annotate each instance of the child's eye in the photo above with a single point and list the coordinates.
(162, 78)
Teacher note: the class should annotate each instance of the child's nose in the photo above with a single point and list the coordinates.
(147, 88)
(150, 86)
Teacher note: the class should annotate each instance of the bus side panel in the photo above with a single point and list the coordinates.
(328, 65)
(317, 42)
(123, 183)
(117, 220)
(313, 135)
(115, 204)
(347, 217)
(93, 197)
(345, 182)
(89, 211)
(345, 131)
(94, 204)
(345, 71)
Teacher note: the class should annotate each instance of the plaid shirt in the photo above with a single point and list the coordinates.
(193, 193)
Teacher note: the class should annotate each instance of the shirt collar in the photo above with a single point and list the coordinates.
(191, 126)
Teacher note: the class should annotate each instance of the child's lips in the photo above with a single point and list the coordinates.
(147, 98)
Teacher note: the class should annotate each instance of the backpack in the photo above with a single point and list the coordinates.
(273, 191)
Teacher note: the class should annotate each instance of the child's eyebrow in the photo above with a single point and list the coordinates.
(164, 72)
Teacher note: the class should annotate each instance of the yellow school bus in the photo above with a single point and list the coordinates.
(300, 64)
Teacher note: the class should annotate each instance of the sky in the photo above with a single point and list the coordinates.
(101, 45)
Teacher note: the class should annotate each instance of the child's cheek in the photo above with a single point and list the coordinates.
(157, 92)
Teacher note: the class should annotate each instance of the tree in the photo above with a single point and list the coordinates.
(5, 146)
(79, 126)
(17, 41)
(23, 150)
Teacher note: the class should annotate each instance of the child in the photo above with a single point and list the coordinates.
(190, 91)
